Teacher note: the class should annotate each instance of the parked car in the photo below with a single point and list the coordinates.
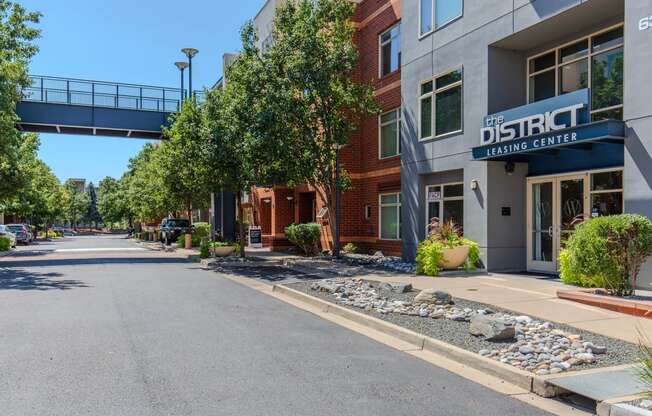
(172, 228)
(23, 235)
(5, 232)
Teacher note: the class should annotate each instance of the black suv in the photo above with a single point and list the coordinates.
(172, 228)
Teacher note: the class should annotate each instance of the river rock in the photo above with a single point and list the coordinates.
(396, 287)
(492, 328)
(434, 296)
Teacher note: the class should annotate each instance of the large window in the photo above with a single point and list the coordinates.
(441, 105)
(446, 203)
(606, 193)
(390, 134)
(595, 61)
(436, 13)
(390, 216)
(390, 50)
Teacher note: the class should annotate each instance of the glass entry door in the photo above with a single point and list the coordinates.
(541, 202)
(555, 206)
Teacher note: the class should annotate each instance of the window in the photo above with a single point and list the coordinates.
(390, 134)
(434, 14)
(390, 216)
(606, 193)
(390, 50)
(595, 61)
(446, 203)
(441, 105)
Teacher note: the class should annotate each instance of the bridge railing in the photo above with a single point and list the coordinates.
(71, 91)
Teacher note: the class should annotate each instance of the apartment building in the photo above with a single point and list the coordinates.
(371, 209)
(521, 117)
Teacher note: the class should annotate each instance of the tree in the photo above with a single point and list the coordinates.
(16, 50)
(112, 201)
(310, 94)
(183, 159)
(229, 141)
(144, 187)
(92, 215)
(77, 203)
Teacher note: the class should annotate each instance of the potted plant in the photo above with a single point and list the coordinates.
(446, 249)
(223, 249)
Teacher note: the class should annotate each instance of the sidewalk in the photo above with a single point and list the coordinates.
(535, 297)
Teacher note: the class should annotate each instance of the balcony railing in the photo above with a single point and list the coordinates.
(102, 94)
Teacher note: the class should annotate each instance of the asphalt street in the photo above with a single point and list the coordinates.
(96, 326)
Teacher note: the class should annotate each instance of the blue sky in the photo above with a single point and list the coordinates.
(131, 41)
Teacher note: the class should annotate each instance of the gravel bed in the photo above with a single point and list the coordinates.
(457, 332)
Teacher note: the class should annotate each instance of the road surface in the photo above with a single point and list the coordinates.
(97, 326)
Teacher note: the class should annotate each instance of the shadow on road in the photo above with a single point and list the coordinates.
(93, 261)
(19, 279)
(273, 274)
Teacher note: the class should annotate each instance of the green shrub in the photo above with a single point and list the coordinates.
(305, 236)
(202, 229)
(442, 236)
(5, 244)
(607, 252)
(205, 249)
(181, 241)
(350, 248)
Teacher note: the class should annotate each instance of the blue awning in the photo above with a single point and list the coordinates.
(607, 131)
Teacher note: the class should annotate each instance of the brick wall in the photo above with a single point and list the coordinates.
(370, 175)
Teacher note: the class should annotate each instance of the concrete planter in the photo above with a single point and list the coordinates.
(454, 257)
(224, 251)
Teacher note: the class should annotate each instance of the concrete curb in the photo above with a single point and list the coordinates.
(508, 373)
(620, 407)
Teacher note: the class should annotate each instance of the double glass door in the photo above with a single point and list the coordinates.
(555, 206)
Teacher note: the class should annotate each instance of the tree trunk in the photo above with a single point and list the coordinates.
(241, 231)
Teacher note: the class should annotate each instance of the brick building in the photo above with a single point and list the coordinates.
(371, 209)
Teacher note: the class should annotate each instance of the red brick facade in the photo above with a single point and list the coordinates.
(370, 175)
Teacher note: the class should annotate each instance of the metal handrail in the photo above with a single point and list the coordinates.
(97, 94)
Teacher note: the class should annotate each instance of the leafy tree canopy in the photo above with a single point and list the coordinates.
(16, 50)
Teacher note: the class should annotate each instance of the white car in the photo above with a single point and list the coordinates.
(5, 232)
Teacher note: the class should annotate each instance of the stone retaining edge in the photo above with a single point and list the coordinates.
(520, 378)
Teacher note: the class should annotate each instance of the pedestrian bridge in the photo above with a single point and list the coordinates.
(75, 106)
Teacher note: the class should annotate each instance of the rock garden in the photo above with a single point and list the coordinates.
(521, 341)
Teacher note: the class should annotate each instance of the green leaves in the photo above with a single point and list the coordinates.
(607, 252)
(16, 50)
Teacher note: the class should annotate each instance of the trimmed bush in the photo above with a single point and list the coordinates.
(5, 244)
(202, 229)
(205, 249)
(181, 241)
(305, 236)
(607, 252)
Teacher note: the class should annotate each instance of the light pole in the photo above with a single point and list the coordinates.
(190, 53)
(182, 66)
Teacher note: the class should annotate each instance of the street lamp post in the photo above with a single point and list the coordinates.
(190, 53)
(182, 66)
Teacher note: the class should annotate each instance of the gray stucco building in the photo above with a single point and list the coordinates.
(521, 117)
